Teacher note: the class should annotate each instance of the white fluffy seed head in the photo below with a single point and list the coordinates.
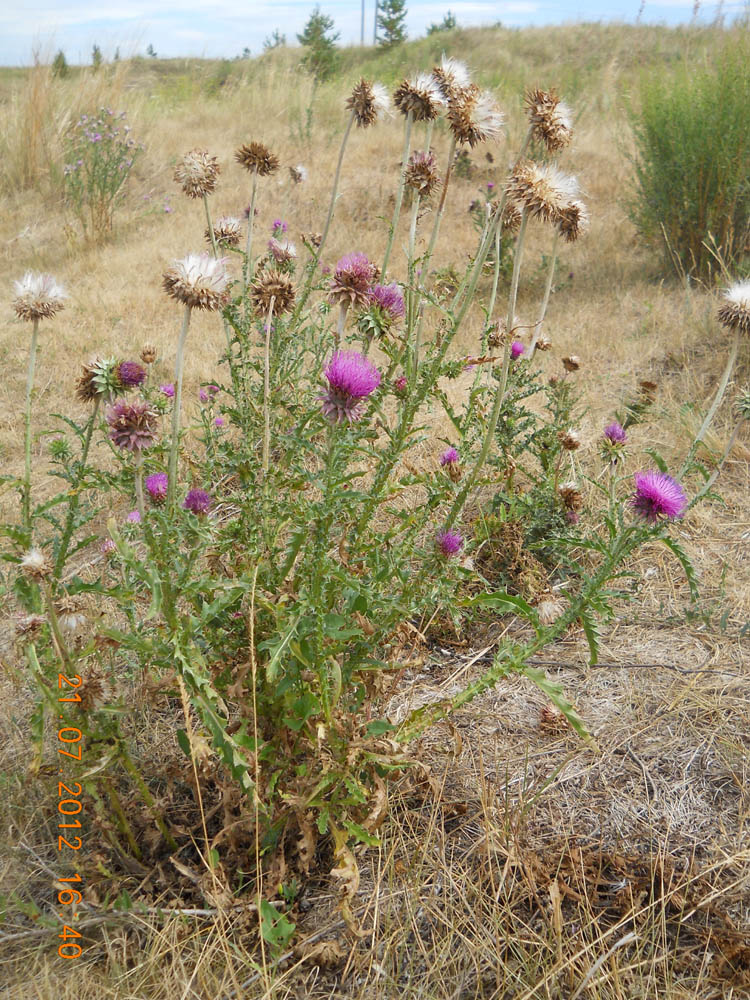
(198, 281)
(735, 310)
(38, 296)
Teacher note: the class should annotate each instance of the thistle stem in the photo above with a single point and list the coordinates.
(547, 293)
(399, 194)
(139, 484)
(175, 443)
(211, 234)
(267, 389)
(334, 192)
(69, 522)
(714, 406)
(343, 309)
(62, 649)
(247, 270)
(27, 430)
(500, 391)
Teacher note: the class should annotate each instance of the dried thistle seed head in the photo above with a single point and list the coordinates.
(735, 312)
(254, 156)
(227, 231)
(421, 173)
(98, 379)
(544, 191)
(312, 239)
(70, 614)
(421, 96)
(36, 565)
(132, 425)
(149, 354)
(569, 439)
(495, 336)
(543, 343)
(368, 101)
(298, 173)
(450, 76)
(510, 217)
(197, 173)
(549, 607)
(550, 118)
(570, 495)
(648, 388)
(29, 624)
(198, 281)
(38, 296)
(473, 115)
(571, 363)
(272, 285)
(573, 221)
(283, 251)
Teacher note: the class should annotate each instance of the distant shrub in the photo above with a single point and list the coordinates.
(448, 23)
(692, 163)
(60, 65)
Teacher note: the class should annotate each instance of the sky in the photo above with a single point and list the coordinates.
(223, 28)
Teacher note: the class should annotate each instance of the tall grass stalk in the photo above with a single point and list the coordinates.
(547, 292)
(247, 270)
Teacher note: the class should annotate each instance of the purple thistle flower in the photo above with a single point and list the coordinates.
(449, 457)
(572, 516)
(450, 543)
(401, 385)
(657, 497)
(351, 378)
(167, 389)
(278, 226)
(615, 433)
(219, 421)
(490, 186)
(130, 374)
(352, 279)
(203, 395)
(197, 501)
(389, 299)
(156, 485)
(517, 349)
(107, 547)
(132, 426)
(134, 517)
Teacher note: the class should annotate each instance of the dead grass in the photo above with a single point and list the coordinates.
(517, 862)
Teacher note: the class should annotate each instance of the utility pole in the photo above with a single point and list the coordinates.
(375, 26)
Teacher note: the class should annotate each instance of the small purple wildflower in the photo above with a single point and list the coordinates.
(167, 389)
(517, 349)
(490, 186)
(219, 421)
(203, 395)
(615, 433)
(134, 517)
(156, 485)
(401, 385)
(130, 374)
(197, 501)
(351, 378)
(572, 516)
(107, 547)
(389, 299)
(450, 543)
(657, 497)
(278, 227)
(449, 457)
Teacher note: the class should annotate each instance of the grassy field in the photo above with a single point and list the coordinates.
(519, 862)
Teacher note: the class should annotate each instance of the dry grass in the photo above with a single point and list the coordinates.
(519, 863)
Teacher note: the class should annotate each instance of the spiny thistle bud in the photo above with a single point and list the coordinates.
(543, 343)
(421, 96)
(510, 218)
(451, 462)
(312, 239)
(473, 116)
(352, 280)
(149, 354)
(571, 363)
(742, 404)
(544, 191)
(368, 101)
(132, 426)
(156, 487)
(254, 156)
(571, 495)
(227, 231)
(550, 118)
(351, 379)
(298, 173)
(198, 281)
(735, 313)
(451, 76)
(130, 374)
(197, 173)
(421, 173)
(38, 296)
(36, 565)
(272, 285)
(401, 385)
(569, 440)
(283, 251)
(573, 221)
(98, 379)
(549, 607)
(197, 502)
(449, 543)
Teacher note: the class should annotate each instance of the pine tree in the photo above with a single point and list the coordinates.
(320, 41)
(391, 18)
(96, 57)
(60, 65)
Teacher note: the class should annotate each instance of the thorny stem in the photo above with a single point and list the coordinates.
(211, 234)
(27, 430)
(148, 798)
(412, 293)
(715, 474)
(62, 649)
(247, 270)
(267, 389)
(121, 818)
(399, 194)
(69, 523)
(500, 391)
(139, 484)
(547, 292)
(321, 539)
(175, 443)
(714, 406)
(343, 309)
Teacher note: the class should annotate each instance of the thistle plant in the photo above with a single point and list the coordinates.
(281, 563)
